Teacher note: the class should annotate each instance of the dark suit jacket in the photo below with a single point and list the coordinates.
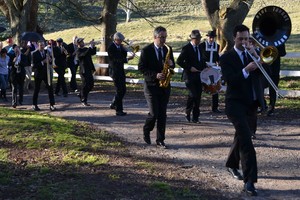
(206, 54)
(84, 56)
(188, 59)
(70, 58)
(239, 88)
(40, 69)
(117, 58)
(60, 57)
(149, 64)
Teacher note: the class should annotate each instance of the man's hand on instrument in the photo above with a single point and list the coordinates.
(160, 76)
(193, 69)
(250, 67)
(170, 62)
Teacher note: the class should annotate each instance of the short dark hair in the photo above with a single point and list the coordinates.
(159, 29)
(240, 28)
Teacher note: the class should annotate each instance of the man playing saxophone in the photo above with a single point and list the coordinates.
(151, 64)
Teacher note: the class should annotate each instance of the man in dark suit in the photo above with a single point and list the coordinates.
(39, 60)
(87, 68)
(210, 53)
(151, 63)
(117, 56)
(72, 63)
(17, 75)
(60, 54)
(243, 95)
(192, 63)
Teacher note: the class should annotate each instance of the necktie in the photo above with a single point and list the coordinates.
(197, 53)
(160, 59)
(245, 59)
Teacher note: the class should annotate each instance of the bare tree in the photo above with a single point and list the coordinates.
(127, 5)
(224, 19)
(108, 20)
(21, 15)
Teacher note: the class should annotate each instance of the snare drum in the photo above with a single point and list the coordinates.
(211, 79)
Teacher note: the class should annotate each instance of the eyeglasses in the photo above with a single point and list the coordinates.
(162, 37)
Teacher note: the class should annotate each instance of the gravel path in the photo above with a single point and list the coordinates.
(199, 147)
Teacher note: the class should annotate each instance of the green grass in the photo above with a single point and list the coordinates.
(45, 157)
(38, 132)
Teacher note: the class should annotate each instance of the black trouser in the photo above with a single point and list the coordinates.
(61, 82)
(87, 80)
(242, 149)
(194, 87)
(73, 83)
(120, 85)
(157, 99)
(17, 85)
(272, 93)
(215, 101)
(37, 85)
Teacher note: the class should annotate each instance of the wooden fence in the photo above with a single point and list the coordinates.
(283, 73)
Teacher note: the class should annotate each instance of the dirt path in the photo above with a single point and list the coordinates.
(200, 148)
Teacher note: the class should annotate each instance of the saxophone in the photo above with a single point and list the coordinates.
(167, 71)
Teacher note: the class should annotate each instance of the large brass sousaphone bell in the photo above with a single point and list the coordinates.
(271, 28)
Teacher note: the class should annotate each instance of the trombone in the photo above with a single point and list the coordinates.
(132, 48)
(267, 55)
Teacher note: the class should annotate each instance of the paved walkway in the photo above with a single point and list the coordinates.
(203, 146)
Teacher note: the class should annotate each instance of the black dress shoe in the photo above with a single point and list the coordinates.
(253, 136)
(250, 189)
(235, 173)
(161, 145)
(35, 108)
(85, 104)
(216, 110)
(52, 108)
(188, 118)
(270, 112)
(14, 105)
(147, 139)
(112, 106)
(121, 113)
(196, 121)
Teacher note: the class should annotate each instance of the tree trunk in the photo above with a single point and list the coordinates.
(21, 15)
(109, 24)
(223, 20)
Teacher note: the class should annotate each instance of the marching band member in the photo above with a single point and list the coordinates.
(39, 60)
(72, 63)
(117, 56)
(87, 68)
(210, 54)
(191, 61)
(151, 65)
(60, 55)
(244, 93)
(17, 75)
